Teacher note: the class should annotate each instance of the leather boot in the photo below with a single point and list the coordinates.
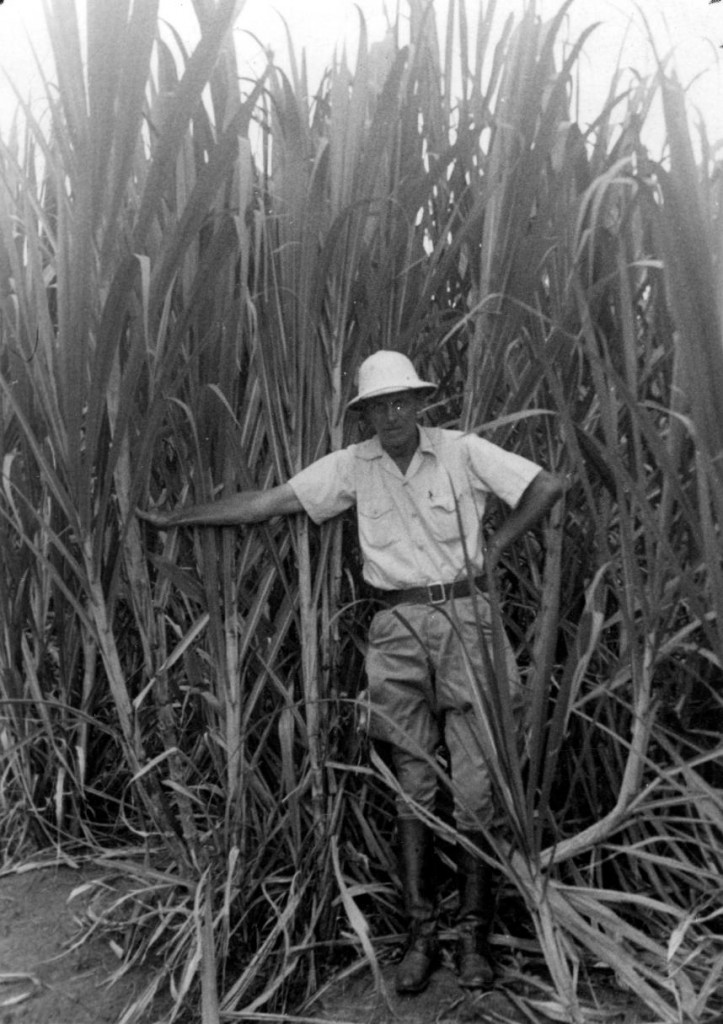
(474, 919)
(416, 848)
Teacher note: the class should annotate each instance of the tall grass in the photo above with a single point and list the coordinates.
(192, 264)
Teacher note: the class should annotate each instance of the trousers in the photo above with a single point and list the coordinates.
(423, 664)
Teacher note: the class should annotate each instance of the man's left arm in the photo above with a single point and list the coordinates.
(539, 496)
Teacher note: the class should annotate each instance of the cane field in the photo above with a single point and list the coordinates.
(193, 262)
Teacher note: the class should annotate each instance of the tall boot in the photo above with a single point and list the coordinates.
(474, 919)
(416, 849)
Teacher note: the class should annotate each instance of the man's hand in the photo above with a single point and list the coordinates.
(544, 490)
(161, 520)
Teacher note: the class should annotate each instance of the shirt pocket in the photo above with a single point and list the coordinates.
(377, 526)
(443, 518)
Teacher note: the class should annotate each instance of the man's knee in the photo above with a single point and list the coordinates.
(417, 779)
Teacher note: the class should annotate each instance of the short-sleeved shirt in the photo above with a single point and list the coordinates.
(414, 527)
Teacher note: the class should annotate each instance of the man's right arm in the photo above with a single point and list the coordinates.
(232, 510)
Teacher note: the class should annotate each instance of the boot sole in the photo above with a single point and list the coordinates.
(407, 991)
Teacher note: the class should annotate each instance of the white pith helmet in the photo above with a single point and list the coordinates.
(385, 372)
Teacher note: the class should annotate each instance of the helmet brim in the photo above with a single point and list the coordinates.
(358, 403)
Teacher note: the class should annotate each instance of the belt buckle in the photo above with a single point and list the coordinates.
(434, 589)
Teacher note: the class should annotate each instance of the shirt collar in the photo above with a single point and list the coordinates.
(425, 442)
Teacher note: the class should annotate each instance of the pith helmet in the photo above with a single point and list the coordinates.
(384, 373)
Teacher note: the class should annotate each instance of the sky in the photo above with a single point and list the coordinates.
(692, 28)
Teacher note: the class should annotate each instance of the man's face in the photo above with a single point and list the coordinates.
(394, 418)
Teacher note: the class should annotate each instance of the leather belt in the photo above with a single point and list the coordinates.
(435, 593)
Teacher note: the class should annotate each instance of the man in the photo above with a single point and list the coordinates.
(420, 496)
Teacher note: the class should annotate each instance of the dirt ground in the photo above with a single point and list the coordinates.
(47, 976)
(442, 1002)
(358, 1001)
